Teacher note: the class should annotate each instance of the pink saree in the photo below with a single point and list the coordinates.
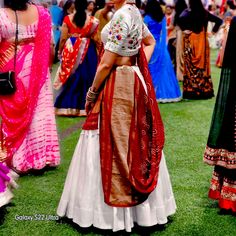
(28, 122)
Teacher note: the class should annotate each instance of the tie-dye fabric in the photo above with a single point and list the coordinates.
(28, 121)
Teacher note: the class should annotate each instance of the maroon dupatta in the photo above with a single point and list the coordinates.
(128, 175)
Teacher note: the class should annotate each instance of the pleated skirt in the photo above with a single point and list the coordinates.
(82, 198)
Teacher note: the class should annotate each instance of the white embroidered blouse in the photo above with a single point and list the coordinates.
(123, 34)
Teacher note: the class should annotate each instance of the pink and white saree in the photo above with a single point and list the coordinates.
(28, 121)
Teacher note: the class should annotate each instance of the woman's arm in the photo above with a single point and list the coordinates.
(107, 61)
(148, 40)
(64, 36)
(52, 52)
(149, 45)
(104, 68)
(216, 20)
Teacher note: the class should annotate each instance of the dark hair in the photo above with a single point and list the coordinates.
(80, 14)
(209, 8)
(180, 6)
(162, 2)
(54, 2)
(94, 4)
(16, 4)
(66, 6)
(153, 9)
(198, 14)
(100, 4)
(138, 3)
(196, 6)
(231, 5)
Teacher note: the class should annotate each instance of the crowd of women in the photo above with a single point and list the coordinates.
(113, 65)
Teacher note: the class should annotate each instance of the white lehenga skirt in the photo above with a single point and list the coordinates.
(82, 198)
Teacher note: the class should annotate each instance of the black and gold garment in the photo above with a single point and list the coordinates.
(221, 146)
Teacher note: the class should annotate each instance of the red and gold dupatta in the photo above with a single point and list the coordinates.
(74, 52)
(131, 136)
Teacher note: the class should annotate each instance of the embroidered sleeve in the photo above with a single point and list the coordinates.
(117, 35)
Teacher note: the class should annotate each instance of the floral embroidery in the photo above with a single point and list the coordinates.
(123, 35)
(116, 29)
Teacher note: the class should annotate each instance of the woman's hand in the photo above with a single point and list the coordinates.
(59, 55)
(64, 37)
(89, 106)
(91, 98)
(187, 31)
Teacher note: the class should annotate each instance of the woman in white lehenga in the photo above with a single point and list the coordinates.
(118, 174)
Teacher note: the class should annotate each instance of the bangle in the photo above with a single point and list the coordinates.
(91, 96)
(93, 92)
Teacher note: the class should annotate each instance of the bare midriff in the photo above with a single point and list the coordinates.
(128, 61)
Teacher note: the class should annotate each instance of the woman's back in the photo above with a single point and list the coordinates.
(8, 27)
(86, 31)
(26, 17)
(160, 65)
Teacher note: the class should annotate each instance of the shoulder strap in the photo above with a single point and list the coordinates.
(16, 40)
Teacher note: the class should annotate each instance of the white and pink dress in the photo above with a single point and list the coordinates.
(28, 122)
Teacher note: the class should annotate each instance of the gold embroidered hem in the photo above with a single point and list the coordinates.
(69, 112)
(223, 188)
(220, 157)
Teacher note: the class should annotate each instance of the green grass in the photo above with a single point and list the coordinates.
(186, 127)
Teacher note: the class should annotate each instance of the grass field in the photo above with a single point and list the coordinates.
(186, 127)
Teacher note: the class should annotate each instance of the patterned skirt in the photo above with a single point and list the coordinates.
(40, 147)
(71, 100)
(197, 83)
(220, 151)
(84, 195)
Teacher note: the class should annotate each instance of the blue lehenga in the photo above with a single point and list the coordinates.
(71, 100)
(161, 68)
(77, 70)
